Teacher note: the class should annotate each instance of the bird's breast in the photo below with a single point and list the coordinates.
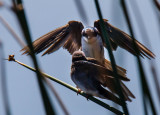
(93, 48)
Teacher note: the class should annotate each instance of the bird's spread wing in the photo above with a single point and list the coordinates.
(68, 36)
(122, 39)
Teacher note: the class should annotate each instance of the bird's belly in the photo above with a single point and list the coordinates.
(94, 50)
(84, 84)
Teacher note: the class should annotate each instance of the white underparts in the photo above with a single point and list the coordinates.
(93, 47)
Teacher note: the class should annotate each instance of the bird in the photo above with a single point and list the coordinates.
(74, 36)
(91, 77)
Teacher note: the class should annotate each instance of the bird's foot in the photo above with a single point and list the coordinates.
(79, 91)
(88, 96)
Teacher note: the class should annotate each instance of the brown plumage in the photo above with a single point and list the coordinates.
(121, 71)
(107, 64)
(119, 38)
(88, 70)
(110, 82)
(69, 37)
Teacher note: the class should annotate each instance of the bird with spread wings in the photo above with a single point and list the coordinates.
(73, 37)
(69, 36)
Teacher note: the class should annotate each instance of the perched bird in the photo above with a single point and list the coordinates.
(91, 77)
(92, 46)
(73, 36)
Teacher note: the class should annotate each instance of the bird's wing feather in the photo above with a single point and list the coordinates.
(103, 72)
(122, 39)
(110, 81)
(121, 71)
(68, 36)
(107, 65)
(109, 95)
(111, 85)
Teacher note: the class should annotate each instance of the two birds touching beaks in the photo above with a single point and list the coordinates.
(90, 71)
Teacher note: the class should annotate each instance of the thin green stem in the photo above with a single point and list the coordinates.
(21, 43)
(4, 82)
(157, 4)
(57, 96)
(81, 11)
(145, 87)
(105, 35)
(19, 11)
(145, 39)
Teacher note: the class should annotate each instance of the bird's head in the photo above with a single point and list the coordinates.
(89, 34)
(78, 55)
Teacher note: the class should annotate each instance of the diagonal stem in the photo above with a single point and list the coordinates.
(19, 11)
(112, 109)
(105, 35)
(3, 79)
(144, 86)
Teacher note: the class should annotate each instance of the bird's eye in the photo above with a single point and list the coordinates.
(84, 34)
(95, 31)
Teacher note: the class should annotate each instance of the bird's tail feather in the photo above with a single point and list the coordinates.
(127, 92)
(121, 71)
(110, 96)
(111, 85)
(145, 51)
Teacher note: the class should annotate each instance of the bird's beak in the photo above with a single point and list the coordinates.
(90, 33)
